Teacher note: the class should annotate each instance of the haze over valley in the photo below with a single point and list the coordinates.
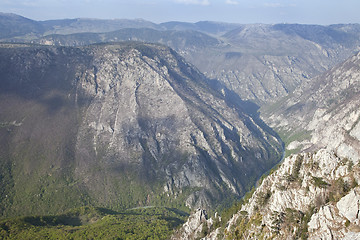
(208, 130)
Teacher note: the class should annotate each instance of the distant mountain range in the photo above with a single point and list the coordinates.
(12, 25)
(259, 62)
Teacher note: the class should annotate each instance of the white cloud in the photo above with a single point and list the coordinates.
(194, 2)
(232, 2)
(273, 5)
(278, 5)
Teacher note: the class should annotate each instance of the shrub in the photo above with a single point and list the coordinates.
(350, 165)
(319, 182)
(263, 198)
(297, 165)
(294, 176)
(204, 230)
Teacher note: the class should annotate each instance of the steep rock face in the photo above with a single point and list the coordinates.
(309, 195)
(259, 62)
(349, 206)
(198, 226)
(313, 194)
(265, 62)
(327, 107)
(123, 125)
(329, 221)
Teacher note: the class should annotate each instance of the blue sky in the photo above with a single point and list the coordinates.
(238, 11)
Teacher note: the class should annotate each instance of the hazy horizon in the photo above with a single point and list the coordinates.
(158, 11)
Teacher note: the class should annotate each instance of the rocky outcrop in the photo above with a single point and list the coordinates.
(349, 206)
(127, 124)
(325, 111)
(309, 195)
(199, 226)
(331, 221)
(323, 224)
(313, 194)
(192, 228)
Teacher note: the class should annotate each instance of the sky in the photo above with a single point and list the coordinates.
(322, 12)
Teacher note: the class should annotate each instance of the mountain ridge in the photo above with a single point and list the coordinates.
(260, 62)
(119, 126)
(323, 101)
(314, 193)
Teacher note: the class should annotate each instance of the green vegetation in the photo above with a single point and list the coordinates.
(227, 213)
(204, 231)
(340, 188)
(319, 182)
(292, 222)
(263, 198)
(49, 194)
(43, 183)
(289, 137)
(275, 107)
(96, 223)
(4, 124)
(243, 225)
(294, 176)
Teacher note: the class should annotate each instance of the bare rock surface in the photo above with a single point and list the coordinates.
(128, 124)
(325, 111)
(314, 204)
(198, 226)
(313, 194)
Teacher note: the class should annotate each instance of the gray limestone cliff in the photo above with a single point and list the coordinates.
(124, 125)
(260, 62)
(325, 110)
(313, 194)
(199, 226)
